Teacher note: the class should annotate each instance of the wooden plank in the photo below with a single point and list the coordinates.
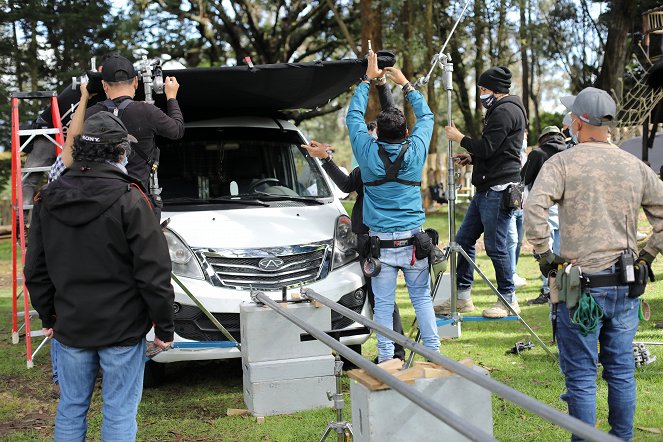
(436, 372)
(408, 376)
(366, 380)
(392, 365)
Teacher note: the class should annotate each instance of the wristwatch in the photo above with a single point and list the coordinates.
(328, 159)
(379, 80)
(364, 78)
(407, 88)
(543, 255)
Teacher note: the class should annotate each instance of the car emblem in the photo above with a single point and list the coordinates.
(271, 263)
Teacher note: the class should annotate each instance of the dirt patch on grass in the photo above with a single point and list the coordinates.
(39, 421)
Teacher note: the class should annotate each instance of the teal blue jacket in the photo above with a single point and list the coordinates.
(390, 207)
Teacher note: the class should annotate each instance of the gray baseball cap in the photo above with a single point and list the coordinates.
(593, 106)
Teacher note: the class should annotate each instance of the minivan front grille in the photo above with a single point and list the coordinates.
(191, 323)
(281, 267)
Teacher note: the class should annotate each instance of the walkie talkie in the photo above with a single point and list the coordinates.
(626, 262)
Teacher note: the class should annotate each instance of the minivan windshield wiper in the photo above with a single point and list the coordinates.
(220, 199)
(271, 197)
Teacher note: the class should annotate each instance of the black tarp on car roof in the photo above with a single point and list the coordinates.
(240, 90)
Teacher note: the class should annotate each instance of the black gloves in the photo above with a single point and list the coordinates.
(646, 259)
(548, 262)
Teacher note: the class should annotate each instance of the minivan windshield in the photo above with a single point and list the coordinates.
(217, 164)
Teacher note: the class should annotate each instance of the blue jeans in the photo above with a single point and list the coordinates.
(417, 279)
(578, 357)
(54, 359)
(486, 216)
(122, 386)
(515, 238)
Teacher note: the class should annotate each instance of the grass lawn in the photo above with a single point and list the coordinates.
(192, 404)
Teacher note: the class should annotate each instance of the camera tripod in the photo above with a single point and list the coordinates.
(342, 428)
(453, 249)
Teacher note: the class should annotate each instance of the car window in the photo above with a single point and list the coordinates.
(209, 163)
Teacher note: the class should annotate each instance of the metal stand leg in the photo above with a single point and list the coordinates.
(342, 428)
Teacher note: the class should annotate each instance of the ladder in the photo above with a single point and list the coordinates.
(19, 174)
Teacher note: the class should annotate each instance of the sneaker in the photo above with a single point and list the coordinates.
(499, 310)
(462, 306)
(519, 281)
(543, 298)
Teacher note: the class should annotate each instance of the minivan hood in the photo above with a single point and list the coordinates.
(255, 228)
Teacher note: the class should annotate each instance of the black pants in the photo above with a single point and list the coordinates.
(399, 351)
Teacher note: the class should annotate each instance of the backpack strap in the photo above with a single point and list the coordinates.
(118, 110)
(393, 168)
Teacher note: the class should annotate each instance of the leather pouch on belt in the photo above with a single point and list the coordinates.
(552, 284)
(569, 286)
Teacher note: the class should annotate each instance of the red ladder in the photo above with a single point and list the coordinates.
(18, 231)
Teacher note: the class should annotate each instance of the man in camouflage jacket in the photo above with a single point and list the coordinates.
(600, 189)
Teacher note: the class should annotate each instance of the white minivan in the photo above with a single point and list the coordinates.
(248, 208)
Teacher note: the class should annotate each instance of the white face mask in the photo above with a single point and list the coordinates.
(574, 135)
(125, 161)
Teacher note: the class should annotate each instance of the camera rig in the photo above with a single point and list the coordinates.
(149, 71)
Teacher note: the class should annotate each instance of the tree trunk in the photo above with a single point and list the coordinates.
(33, 57)
(371, 29)
(524, 44)
(501, 43)
(622, 13)
(462, 96)
(432, 174)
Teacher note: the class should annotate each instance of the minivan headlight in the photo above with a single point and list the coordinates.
(181, 256)
(345, 243)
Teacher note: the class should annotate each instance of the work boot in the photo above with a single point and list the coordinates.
(543, 298)
(462, 306)
(499, 310)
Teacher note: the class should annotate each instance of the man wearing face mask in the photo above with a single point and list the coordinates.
(143, 120)
(600, 189)
(496, 160)
(98, 273)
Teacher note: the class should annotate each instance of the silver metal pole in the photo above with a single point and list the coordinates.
(207, 313)
(440, 412)
(570, 423)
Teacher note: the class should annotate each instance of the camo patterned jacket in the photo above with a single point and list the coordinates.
(600, 189)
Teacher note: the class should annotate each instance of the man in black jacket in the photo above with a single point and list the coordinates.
(496, 160)
(143, 120)
(551, 142)
(98, 273)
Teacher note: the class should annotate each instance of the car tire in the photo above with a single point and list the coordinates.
(154, 374)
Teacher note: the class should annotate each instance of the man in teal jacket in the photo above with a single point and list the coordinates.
(391, 168)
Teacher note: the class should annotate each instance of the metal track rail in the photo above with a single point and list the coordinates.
(437, 410)
(563, 420)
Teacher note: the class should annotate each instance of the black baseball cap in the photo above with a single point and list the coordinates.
(105, 128)
(117, 68)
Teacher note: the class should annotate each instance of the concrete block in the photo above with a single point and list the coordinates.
(283, 369)
(449, 330)
(268, 336)
(287, 396)
(386, 415)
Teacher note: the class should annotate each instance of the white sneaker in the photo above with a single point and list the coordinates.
(499, 310)
(519, 281)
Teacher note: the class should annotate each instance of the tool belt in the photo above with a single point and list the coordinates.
(396, 243)
(567, 284)
(368, 248)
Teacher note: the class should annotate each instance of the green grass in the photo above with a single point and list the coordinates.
(192, 404)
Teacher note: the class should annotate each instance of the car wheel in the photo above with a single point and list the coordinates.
(154, 374)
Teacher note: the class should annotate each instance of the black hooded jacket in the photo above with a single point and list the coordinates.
(97, 266)
(496, 155)
(552, 145)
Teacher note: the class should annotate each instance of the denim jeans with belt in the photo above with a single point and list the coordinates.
(417, 279)
(121, 390)
(578, 358)
(486, 216)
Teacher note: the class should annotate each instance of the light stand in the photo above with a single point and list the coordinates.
(342, 428)
(444, 61)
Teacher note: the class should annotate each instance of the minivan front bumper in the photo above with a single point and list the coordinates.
(345, 285)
